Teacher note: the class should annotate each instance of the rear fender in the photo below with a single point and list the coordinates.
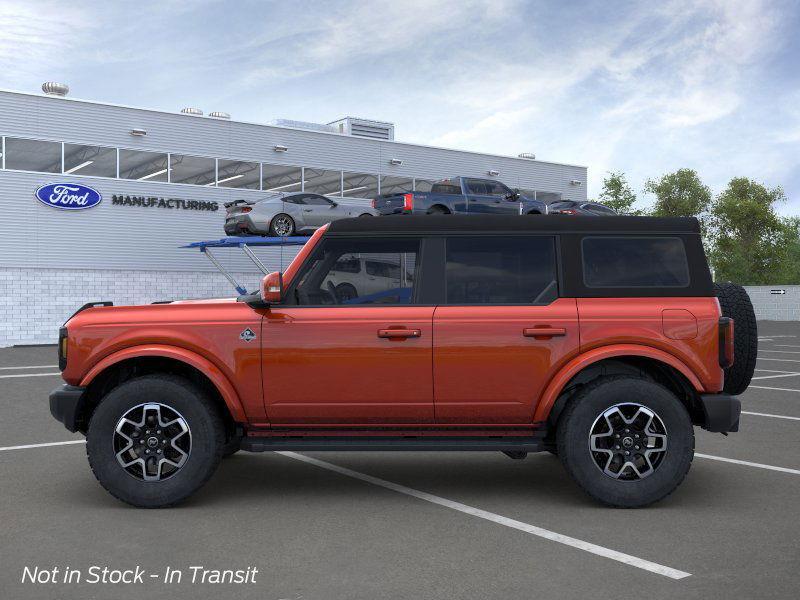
(214, 374)
(579, 363)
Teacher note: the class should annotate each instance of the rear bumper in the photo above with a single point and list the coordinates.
(66, 405)
(721, 412)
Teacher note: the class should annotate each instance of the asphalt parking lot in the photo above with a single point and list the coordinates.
(413, 525)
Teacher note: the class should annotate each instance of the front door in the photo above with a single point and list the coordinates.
(318, 210)
(503, 331)
(348, 347)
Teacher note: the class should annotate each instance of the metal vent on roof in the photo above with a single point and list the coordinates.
(51, 88)
(192, 111)
(219, 115)
(527, 155)
(377, 130)
(303, 125)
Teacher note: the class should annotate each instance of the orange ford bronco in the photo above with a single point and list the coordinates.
(602, 340)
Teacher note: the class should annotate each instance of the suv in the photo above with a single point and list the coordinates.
(601, 340)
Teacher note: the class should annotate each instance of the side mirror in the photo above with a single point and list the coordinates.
(272, 288)
(334, 204)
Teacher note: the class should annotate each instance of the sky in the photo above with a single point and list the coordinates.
(639, 87)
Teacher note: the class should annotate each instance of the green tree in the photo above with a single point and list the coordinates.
(618, 195)
(679, 194)
(751, 244)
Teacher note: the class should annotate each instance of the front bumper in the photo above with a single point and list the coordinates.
(66, 405)
(721, 412)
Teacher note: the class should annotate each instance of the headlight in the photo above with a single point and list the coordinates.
(62, 348)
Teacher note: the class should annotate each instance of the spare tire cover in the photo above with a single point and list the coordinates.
(735, 303)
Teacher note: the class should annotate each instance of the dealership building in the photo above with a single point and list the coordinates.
(162, 179)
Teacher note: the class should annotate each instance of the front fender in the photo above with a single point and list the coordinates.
(217, 377)
(579, 363)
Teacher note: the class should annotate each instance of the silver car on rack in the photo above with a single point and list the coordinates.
(289, 213)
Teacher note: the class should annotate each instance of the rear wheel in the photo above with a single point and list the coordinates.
(154, 440)
(282, 225)
(735, 303)
(628, 442)
(438, 210)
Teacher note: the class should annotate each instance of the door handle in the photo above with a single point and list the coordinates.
(544, 332)
(399, 333)
(308, 209)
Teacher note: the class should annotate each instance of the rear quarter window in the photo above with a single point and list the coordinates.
(634, 262)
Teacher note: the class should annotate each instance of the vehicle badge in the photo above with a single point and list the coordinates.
(247, 335)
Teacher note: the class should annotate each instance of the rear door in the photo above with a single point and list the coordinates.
(489, 197)
(502, 332)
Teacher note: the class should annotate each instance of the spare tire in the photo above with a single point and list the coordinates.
(735, 303)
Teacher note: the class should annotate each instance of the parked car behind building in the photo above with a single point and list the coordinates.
(461, 195)
(288, 213)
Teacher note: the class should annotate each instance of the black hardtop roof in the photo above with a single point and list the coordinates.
(515, 223)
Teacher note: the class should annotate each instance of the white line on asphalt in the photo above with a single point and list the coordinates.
(774, 376)
(779, 359)
(786, 346)
(773, 371)
(781, 351)
(761, 387)
(29, 367)
(489, 516)
(29, 375)
(748, 464)
(26, 446)
(744, 412)
(777, 336)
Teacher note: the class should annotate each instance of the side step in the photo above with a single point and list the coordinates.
(383, 444)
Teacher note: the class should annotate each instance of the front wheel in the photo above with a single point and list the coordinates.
(154, 440)
(628, 442)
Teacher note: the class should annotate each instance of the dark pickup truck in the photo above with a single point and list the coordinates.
(461, 195)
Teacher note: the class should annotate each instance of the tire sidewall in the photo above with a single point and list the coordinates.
(272, 225)
(574, 440)
(206, 443)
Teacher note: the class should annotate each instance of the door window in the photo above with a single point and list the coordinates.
(501, 270)
(334, 275)
(495, 188)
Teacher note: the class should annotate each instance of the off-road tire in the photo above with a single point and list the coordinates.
(573, 440)
(735, 303)
(207, 440)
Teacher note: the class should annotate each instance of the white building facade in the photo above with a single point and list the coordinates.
(163, 179)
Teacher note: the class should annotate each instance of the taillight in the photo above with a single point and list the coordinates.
(567, 211)
(725, 342)
(373, 203)
(62, 348)
(408, 202)
(246, 209)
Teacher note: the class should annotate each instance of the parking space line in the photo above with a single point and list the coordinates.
(786, 346)
(26, 446)
(744, 412)
(762, 387)
(781, 351)
(29, 367)
(495, 518)
(778, 359)
(748, 464)
(775, 376)
(773, 371)
(28, 375)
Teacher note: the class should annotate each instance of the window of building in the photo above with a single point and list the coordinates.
(322, 181)
(143, 166)
(396, 185)
(195, 170)
(424, 185)
(501, 270)
(33, 155)
(334, 275)
(97, 161)
(238, 174)
(634, 262)
(280, 178)
(360, 185)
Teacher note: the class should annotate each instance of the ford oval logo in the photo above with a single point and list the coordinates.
(68, 196)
